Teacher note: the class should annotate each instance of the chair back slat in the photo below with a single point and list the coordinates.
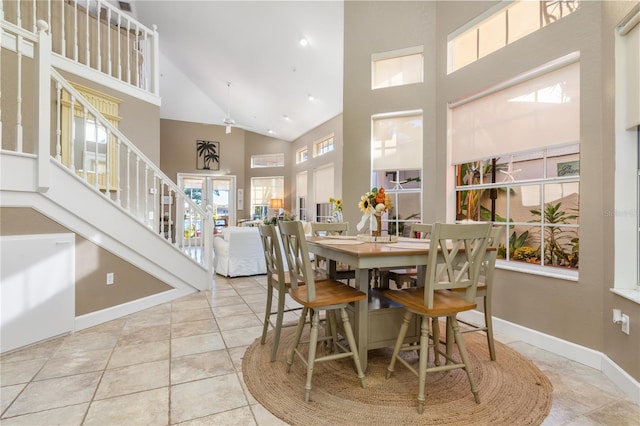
(455, 258)
(297, 253)
(320, 229)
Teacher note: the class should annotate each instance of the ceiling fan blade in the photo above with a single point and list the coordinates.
(228, 129)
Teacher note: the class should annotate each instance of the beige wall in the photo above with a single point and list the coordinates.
(92, 264)
(578, 312)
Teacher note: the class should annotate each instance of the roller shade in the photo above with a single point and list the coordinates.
(631, 52)
(537, 113)
(301, 184)
(323, 184)
(397, 142)
(264, 189)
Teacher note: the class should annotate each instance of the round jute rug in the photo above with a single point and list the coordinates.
(513, 391)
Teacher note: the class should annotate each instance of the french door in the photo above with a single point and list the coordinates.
(205, 190)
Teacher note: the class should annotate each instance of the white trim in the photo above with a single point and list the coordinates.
(543, 271)
(631, 294)
(589, 357)
(407, 51)
(115, 312)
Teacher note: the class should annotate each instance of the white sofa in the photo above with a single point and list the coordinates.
(238, 252)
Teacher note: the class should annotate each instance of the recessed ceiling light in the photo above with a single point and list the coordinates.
(304, 42)
(286, 117)
(311, 98)
(270, 131)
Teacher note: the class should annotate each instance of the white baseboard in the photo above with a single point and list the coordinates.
(115, 312)
(581, 354)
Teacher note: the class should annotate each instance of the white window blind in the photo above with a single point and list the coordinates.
(631, 43)
(397, 68)
(264, 189)
(533, 114)
(301, 184)
(323, 184)
(397, 142)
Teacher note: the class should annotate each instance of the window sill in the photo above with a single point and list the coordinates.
(627, 293)
(544, 271)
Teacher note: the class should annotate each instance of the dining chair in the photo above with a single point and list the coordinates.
(315, 296)
(454, 261)
(408, 276)
(278, 278)
(336, 270)
(485, 286)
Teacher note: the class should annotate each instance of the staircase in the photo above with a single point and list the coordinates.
(62, 157)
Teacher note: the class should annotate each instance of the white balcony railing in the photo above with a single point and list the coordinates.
(94, 34)
(53, 119)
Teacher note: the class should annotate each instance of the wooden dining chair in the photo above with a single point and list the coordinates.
(278, 278)
(485, 286)
(336, 270)
(315, 296)
(455, 258)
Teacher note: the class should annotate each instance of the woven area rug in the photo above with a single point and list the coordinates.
(513, 391)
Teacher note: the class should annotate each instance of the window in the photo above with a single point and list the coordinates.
(301, 191)
(516, 154)
(627, 173)
(93, 151)
(302, 155)
(323, 146)
(323, 190)
(396, 163)
(264, 189)
(267, 160)
(502, 25)
(397, 68)
(404, 187)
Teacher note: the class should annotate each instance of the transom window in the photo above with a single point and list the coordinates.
(397, 68)
(323, 146)
(302, 155)
(267, 160)
(503, 25)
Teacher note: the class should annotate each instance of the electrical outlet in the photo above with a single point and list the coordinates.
(109, 278)
(625, 323)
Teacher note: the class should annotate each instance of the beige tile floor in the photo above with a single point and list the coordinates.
(180, 363)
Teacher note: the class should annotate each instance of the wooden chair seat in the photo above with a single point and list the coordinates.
(445, 302)
(328, 293)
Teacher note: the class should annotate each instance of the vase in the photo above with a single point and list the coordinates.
(377, 231)
(337, 217)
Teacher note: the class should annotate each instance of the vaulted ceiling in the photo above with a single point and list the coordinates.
(254, 46)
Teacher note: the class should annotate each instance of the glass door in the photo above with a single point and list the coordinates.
(215, 191)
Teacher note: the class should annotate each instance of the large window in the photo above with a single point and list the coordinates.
(627, 173)
(323, 190)
(301, 193)
(501, 26)
(396, 163)
(397, 68)
(516, 154)
(263, 189)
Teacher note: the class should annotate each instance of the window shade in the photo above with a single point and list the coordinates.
(301, 184)
(631, 43)
(397, 143)
(264, 189)
(323, 184)
(537, 113)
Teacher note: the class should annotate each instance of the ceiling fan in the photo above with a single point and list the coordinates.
(228, 121)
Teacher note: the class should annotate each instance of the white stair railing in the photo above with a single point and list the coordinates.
(78, 136)
(95, 34)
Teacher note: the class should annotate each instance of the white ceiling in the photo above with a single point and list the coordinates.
(255, 46)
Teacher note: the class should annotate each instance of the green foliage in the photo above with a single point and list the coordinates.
(526, 253)
(515, 242)
(561, 247)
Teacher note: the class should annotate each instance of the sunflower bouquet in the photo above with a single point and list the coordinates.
(372, 204)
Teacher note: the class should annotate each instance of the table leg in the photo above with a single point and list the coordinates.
(362, 317)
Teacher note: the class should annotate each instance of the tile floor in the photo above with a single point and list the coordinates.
(180, 363)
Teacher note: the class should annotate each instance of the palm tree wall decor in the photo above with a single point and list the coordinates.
(210, 154)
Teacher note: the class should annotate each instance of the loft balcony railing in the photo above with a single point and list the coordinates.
(64, 125)
(93, 34)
